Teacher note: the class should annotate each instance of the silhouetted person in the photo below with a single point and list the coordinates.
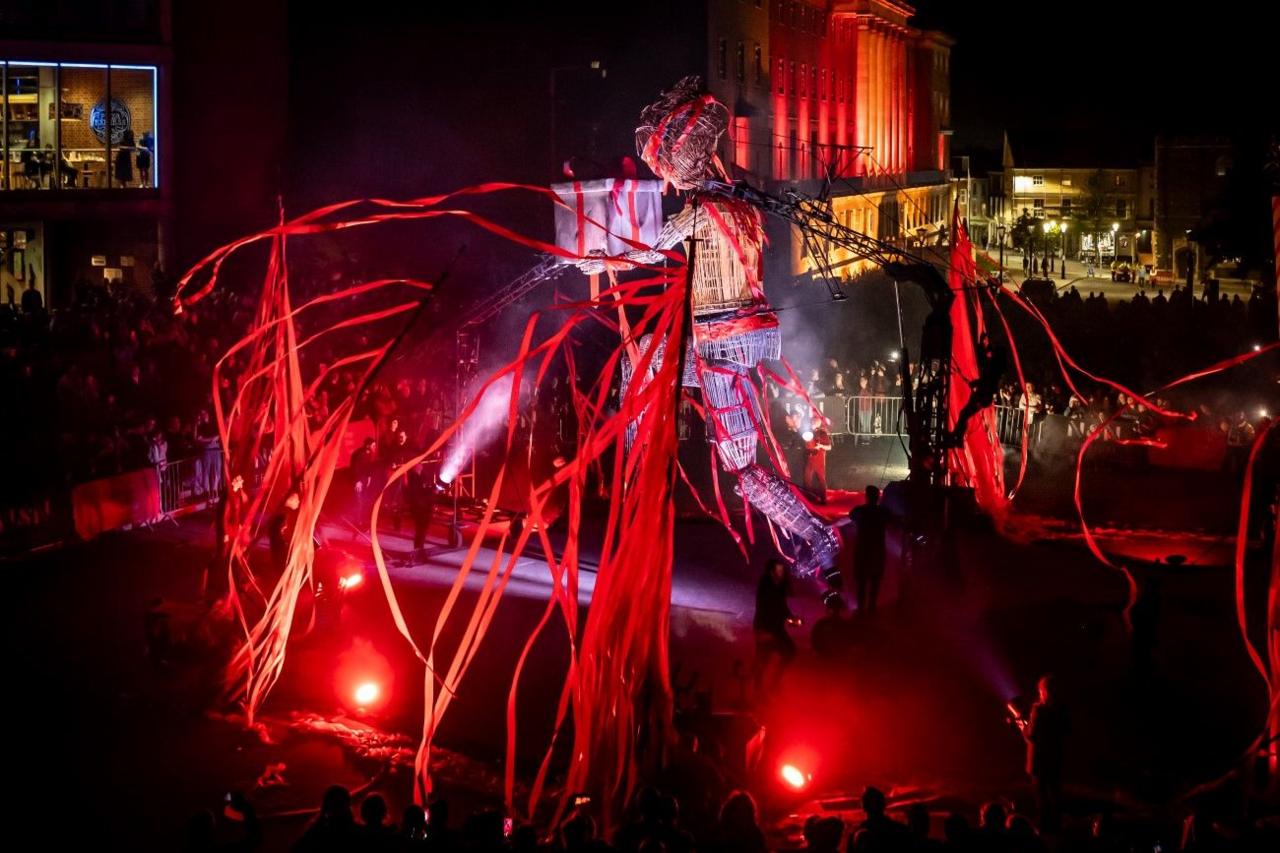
(738, 829)
(1046, 748)
(375, 835)
(822, 834)
(918, 826)
(420, 496)
(439, 835)
(959, 835)
(869, 521)
(200, 833)
(878, 833)
(1022, 835)
(774, 647)
(578, 835)
(658, 823)
(333, 829)
(992, 836)
(413, 826)
(32, 301)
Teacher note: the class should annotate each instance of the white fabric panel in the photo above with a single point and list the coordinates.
(600, 205)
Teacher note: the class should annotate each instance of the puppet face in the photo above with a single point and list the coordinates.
(678, 134)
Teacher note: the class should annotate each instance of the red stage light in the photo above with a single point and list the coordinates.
(367, 693)
(351, 581)
(794, 777)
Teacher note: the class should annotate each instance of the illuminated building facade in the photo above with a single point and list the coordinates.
(848, 91)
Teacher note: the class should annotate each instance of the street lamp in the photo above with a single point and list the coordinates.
(1063, 228)
(1045, 262)
(1000, 229)
(1115, 245)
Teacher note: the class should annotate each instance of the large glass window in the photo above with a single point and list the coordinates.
(134, 156)
(82, 91)
(30, 137)
(78, 126)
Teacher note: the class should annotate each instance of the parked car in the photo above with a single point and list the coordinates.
(1121, 271)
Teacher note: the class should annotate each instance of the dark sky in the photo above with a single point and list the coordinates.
(1116, 72)
(440, 95)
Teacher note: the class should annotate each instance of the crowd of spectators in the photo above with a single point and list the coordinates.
(656, 822)
(1143, 343)
(114, 382)
(118, 381)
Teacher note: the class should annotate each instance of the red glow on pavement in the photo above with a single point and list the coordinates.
(363, 679)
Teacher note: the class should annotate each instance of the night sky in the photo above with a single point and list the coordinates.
(1105, 75)
(1112, 68)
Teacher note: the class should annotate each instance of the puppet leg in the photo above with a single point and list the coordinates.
(688, 380)
(731, 403)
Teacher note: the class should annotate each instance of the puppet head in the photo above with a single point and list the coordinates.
(679, 132)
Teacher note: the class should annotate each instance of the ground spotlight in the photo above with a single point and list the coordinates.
(351, 581)
(807, 435)
(366, 693)
(795, 778)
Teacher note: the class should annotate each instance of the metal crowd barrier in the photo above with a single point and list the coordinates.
(191, 481)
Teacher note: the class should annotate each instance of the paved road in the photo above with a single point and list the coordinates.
(918, 704)
(1113, 290)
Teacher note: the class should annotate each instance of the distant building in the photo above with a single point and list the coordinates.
(1191, 180)
(847, 91)
(114, 154)
(1107, 208)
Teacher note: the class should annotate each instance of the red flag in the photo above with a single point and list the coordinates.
(979, 462)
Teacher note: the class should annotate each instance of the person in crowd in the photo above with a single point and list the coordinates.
(918, 821)
(366, 472)
(439, 834)
(142, 159)
(1022, 835)
(958, 834)
(823, 834)
(738, 829)
(830, 637)
(334, 829)
(413, 827)
(123, 174)
(374, 834)
(32, 301)
(420, 496)
(774, 646)
(157, 449)
(870, 521)
(816, 447)
(1046, 736)
(992, 834)
(878, 833)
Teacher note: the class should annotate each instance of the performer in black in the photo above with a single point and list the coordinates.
(420, 496)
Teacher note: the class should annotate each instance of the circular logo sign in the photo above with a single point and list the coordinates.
(119, 121)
